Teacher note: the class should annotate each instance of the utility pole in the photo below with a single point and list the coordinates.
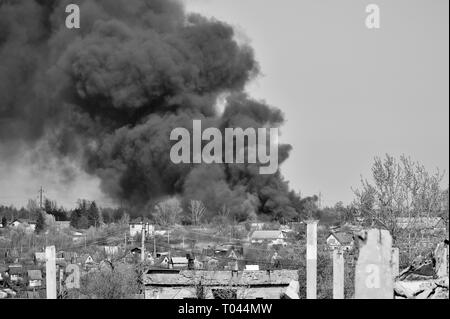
(41, 191)
(142, 243)
(125, 247)
(168, 240)
(61, 276)
(154, 245)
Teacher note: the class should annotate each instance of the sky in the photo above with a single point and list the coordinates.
(349, 93)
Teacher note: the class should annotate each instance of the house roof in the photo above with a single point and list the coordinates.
(40, 256)
(23, 220)
(418, 222)
(84, 257)
(344, 238)
(179, 260)
(34, 274)
(15, 269)
(267, 234)
(140, 220)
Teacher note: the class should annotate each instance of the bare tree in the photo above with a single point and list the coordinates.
(168, 212)
(197, 210)
(399, 189)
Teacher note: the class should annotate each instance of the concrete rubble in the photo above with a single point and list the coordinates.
(425, 278)
(292, 290)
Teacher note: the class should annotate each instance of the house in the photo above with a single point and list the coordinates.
(137, 225)
(27, 224)
(272, 237)
(180, 284)
(15, 272)
(286, 229)
(86, 260)
(162, 262)
(422, 224)
(61, 225)
(178, 262)
(257, 226)
(34, 278)
(340, 240)
(70, 256)
(39, 257)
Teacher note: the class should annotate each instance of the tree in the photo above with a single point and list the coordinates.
(167, 212)
(93, 214)
(4, 221)
(40, 222)
(197, 210)
(445, 206)
(51, 208)
(83, 222)
(399, 189)
(115, 283)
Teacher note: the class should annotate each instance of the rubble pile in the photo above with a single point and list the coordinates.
(422, 289)
(426, 278)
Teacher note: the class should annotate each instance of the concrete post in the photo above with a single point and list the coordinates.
(395, 262)
(338, 274)
(311, 259)
(441, 256)
(50, 274)
(373, 274)
(143, 242)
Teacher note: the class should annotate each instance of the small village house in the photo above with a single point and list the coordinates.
(257, 226)
(15, 272)
(77, 236)
(39, 257)
(422, 224)
(162, 262)
(34, 278)
(86, 260)
(61, 225)
(271, 237)
(340, 240)
(137, 225)
(179, 263)
(27, 224)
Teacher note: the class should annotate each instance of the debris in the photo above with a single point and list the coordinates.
(292, 290)
(425, 294)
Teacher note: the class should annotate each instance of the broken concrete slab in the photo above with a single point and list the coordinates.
(440, 293)
(425, 294)
(402, 289)
(292, 290)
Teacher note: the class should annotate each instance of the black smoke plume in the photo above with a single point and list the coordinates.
(110, 93)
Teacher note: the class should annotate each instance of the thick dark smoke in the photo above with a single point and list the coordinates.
(111, 92)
